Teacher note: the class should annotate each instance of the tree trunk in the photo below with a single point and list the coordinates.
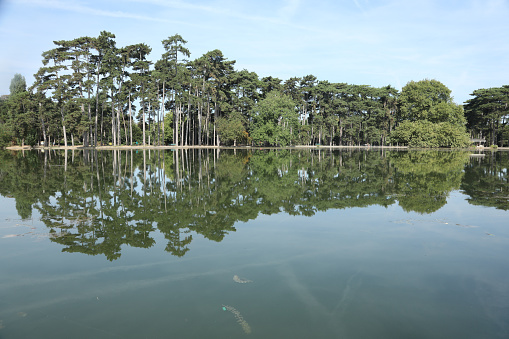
(182, 126)
(42, 125)
(63, 125)
(143, 121)
(113, 124)
(97, 101)
(130, 120)
(162, 111)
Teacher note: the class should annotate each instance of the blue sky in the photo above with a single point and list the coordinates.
(462, 43)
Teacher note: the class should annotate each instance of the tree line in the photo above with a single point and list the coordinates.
(91, 92)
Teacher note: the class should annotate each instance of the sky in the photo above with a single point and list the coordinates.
(462, 43)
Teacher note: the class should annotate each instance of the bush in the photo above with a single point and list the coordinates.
(6, 135)
(426, 134)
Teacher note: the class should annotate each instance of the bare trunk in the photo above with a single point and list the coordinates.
(162, 112)
(181, 127)
(130, 120)
(143, 121)
(113, 124)
(43, 127)
(63, 125)
(96, 102)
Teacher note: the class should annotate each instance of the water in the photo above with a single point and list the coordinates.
(343, 244)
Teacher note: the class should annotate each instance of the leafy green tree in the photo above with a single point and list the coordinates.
(487, 113)
(232, 128)
(18, 84)
(275, 120)
(53, 77)
(140, 77)
(6, 132)
(103, 44)
(24, 118)
(428, 117)
(428, 100)
(169, 67)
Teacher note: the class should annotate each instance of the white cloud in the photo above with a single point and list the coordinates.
(83, 9)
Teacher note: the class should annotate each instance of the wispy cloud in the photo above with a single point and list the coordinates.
(83, 9)
(289, 9)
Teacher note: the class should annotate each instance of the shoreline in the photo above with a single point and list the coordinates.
(173, 147)
(151, 147)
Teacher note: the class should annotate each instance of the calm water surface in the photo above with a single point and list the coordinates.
(260, 244)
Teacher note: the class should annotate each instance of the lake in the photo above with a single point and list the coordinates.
(259, 243)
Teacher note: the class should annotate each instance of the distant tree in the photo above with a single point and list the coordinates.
(275, 120)
(18, 84)
(232, 128)
(488, 113)
(22, 112)
(428, 117)
(168, 67)
(140, 78)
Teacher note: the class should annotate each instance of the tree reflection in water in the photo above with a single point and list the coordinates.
(94, 202)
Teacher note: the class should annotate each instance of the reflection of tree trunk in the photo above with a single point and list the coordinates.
(45, 163)
(114, 166)
(164, 180)
(65, 160)
(132, 181)
(144, 167)
(120, 176)
(99, 195)
(177, 166)
(199, 168)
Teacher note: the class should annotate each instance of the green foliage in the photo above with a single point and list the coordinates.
(428, 100)
(428, 117)
(274, 120)
(18, 84)
(92, 85)
(6, 135)
(232, 128)
(168, 129)
(427, 134)
(487, 114)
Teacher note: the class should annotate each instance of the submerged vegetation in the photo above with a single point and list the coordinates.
(91, 92)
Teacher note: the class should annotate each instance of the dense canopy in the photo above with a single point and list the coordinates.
(91, 92)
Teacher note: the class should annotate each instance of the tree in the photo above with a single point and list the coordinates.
(232, 128)
(54, 78)
(169, 67)
(18, 84)
(428, 117)
(488, 113)
(275, 120)
(428, 100)
(103, 44)
(140, 78)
